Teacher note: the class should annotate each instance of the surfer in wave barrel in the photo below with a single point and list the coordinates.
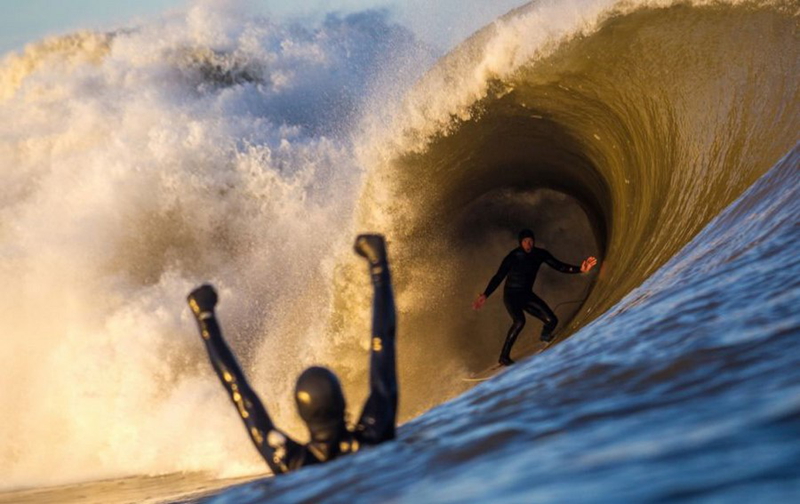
(318, 392)
(519, 268)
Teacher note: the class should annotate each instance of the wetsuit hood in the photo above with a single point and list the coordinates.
(526, 233)
(320, 403)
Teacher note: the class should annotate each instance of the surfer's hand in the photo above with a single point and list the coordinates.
(372, 247)
(203, 299)
(588, 264)
(478, 303)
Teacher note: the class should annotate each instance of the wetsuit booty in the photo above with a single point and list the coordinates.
(372, 247)
(550, 322)
(548, 332)
(505, 354)
(505, 361)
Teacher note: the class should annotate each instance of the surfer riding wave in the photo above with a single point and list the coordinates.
(519, 268)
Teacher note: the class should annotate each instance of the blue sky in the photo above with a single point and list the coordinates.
(441, 23)
(23, 21)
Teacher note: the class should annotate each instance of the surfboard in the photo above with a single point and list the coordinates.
(487, 373)
(494, 370)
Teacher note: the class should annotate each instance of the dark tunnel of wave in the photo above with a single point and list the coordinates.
(621, 144)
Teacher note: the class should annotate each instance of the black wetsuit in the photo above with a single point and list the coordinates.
(377, 422)
(519, 269)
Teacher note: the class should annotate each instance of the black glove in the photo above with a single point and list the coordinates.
(372, 247)
(203, 299)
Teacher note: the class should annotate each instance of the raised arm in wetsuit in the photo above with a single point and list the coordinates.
(519, 268)
(318, 393)
(377, 420)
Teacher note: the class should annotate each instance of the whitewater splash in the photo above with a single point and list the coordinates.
(214, 147)
(137, 164)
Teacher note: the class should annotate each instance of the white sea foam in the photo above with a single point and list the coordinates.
(212, 146)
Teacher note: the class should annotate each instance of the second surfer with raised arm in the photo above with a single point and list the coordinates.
(318, 393)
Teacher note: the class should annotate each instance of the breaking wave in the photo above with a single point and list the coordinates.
(618, 130)
(225, 147)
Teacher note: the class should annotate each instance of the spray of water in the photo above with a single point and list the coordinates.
(214, 146)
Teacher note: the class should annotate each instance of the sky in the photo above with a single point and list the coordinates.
(24, 21)
(440, 23)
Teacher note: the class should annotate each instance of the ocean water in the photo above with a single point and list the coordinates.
(220, 146)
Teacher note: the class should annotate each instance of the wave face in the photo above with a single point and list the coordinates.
(218, 146)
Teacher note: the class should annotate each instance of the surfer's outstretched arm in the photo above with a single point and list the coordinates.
(277, 449)
(560, 266)
(498, 277)
(585, 266)
(494, 282)
(377, 421)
